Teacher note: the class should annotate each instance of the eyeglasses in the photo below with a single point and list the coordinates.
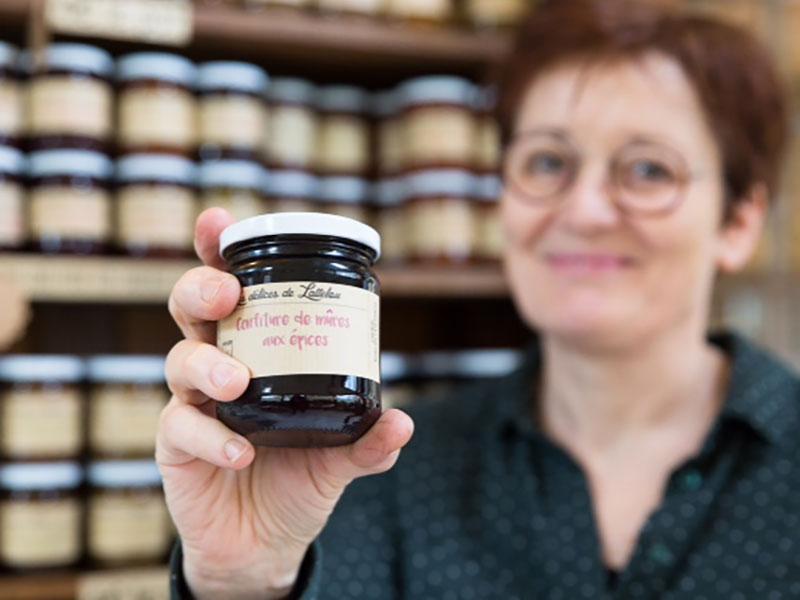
(645, 177)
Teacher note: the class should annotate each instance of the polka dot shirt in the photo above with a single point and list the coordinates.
(481, 505)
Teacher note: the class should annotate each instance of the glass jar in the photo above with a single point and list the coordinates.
(490, 237)
(389, 142)
(12, 197)
(11, 120)
(235, 185)
(433, 12)
(70, 98)
(40, 515)
(292, 191)
(396, 391)
(232, 110)
(496, 14)
(442, 215)
(41, 407)
(127, 519)
(307, 327)
(439, 122)
(344, 196)
(127, 396)
(291, 135)
(391, 220)
(344, 133)
(367, 8)
(70, 201)
(157, 109)
(156, 205)
(487, 134)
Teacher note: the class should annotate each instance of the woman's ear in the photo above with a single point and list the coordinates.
(741, 232)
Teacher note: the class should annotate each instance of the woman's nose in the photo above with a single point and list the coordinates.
(588, 206)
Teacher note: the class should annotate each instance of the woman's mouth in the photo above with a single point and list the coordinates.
(587, 263)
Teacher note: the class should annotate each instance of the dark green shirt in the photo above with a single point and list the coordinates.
(481, 505)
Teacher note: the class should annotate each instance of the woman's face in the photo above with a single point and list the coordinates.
(582, 263)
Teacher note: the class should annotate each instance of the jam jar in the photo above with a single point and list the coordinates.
(70, 201)
(291, 190)
(291, 136)
(307, 327)
(344, 196)
(238, 186)
(232, 110)
(40, 515)
(12, 194)
(343, 140)
(70, 98)
(391, 220)
(11, 103)
(490, 239)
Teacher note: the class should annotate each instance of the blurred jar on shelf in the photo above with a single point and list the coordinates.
(396, 389)
(11, 97)
(156, 205)
(291, 135)
(391, 220)
(12, 199)
(439, 124)
(490, 239)
(388, 133)
(41, 407)
(127, 396)
(344, 134)
(487, 144)
(40, 515)
(423, 12)
(496, 14)
(235, 185)
(232, 110)
(70, 201)
(157, 106)
(127, 520)
(366, 8)
(291, 190)
(279, 4)
(70, 98)
(442, 215)
(344, 196)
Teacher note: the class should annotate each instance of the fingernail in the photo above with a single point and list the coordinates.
(222, 373)
(209, 290)
(234, 449)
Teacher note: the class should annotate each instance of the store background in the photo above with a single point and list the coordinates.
(447, 316)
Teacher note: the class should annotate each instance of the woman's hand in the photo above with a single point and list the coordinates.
(246, 516)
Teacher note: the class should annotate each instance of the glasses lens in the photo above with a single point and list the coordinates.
(539, 167)
(650, 178)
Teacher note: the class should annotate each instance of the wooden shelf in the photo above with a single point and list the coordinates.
(149, 582)
(33, 587)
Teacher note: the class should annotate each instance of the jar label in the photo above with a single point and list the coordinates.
(242, 204)
(124, 419)
(128, 526)
(343, 145)
(232, 121)
(70, 212)
(304, 328)
(291, 137)
(440, 134)
(431, 9)
(161, 216)
(10, 108)
(12, 214)
(41, 422)
(443, 227)
(163, 116)
(70, 105)
(34, 533)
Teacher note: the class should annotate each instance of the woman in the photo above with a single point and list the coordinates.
(632, 456)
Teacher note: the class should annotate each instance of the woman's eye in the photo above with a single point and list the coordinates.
(546, 163)
(651, 171)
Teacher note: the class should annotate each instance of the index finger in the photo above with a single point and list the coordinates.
(209, 225)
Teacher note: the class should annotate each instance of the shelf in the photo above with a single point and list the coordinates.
(134, 281)
(150, 582)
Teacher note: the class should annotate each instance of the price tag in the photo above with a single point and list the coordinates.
(153, 21)
(139, 584)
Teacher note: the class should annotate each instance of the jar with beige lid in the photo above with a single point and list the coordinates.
(70, 201)
(388, 133)
(291, 135)
(345, 196)
(344, 132)
(490, 238)
(365, 8)
(439, 122)
(11, 98)
(41, 407)
(292, 191)
(423, 12)
(70, 98)
(40, 515)
(126, 398)
(487, 133)
(496, 14)
(232, 110)
(391, 220)
(12, 199)
(238, 186)
(127, 519)
(156, 205)
(442, 215)
(156, 104)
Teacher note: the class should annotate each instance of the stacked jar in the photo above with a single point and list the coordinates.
(495, 14)
(422, 12)
(360, 8)
(12, 198)
(291, 134)
(11, 100)
(292, 190)
(238, 186)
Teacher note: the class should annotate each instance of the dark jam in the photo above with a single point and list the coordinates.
(303, 410)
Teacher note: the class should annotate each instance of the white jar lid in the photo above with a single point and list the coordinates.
(159, 167)
(394, 366)
(23, 477)
(349, 190)
(79, 57)
(441, 182)
(11, 160)
(290, 89)
(385, 104)
(123, 473)
(8, 56)
(86, 163)
(342, 98)
(437, 89)
(234, 76)
(487, 363)
(126, 369)
(391, 191)
(296, 223)
(161, 66)
(240, 174)
(490, 188)
(35, 368)
(292, 184)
